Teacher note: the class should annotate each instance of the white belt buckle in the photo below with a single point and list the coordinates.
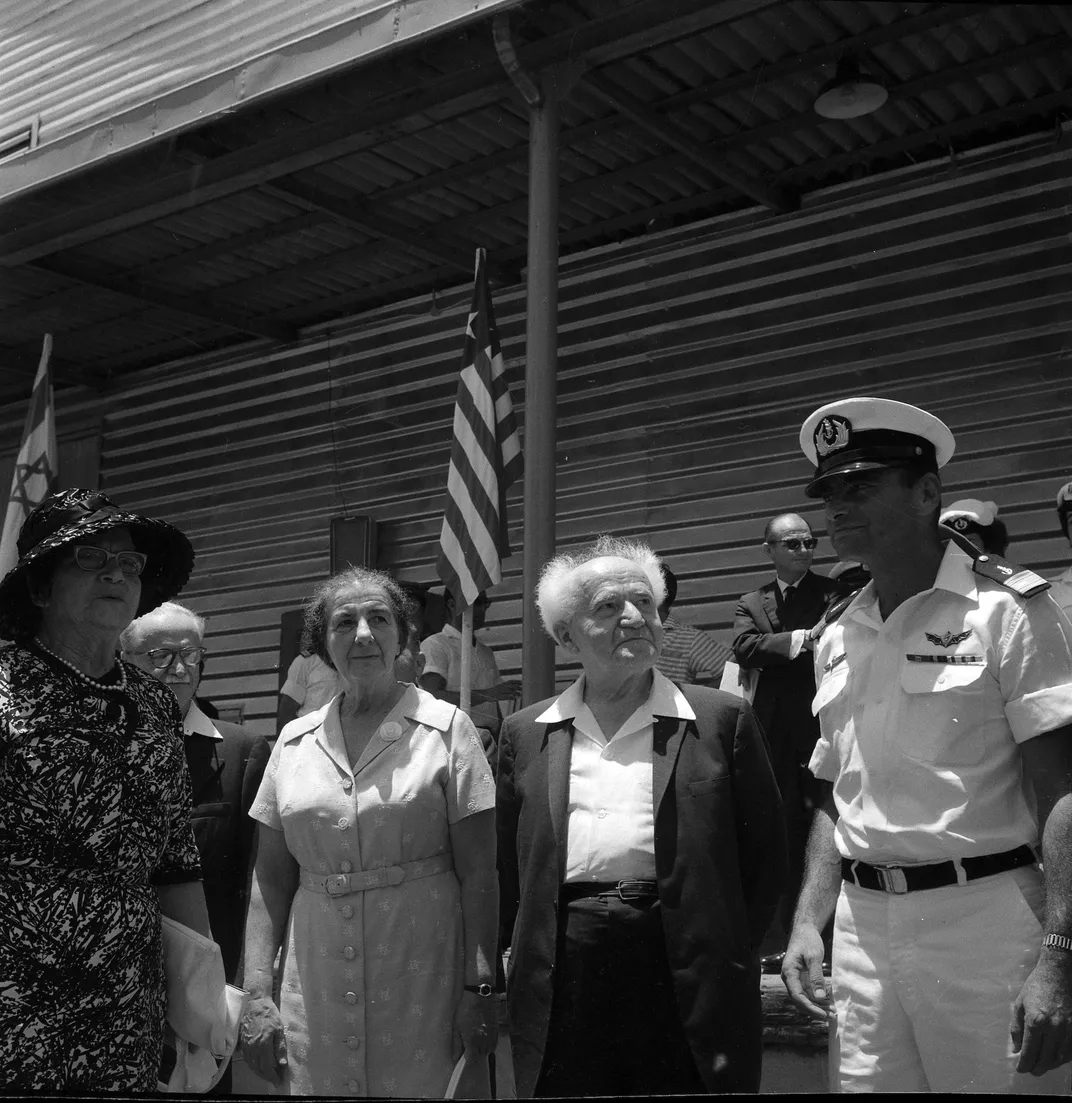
(893, 879)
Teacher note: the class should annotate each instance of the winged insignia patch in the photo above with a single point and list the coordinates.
(948, 639)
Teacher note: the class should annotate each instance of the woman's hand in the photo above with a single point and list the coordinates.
(476, 1025)
(263, 1041)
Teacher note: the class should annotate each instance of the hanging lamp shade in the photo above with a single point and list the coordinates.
(850, 94)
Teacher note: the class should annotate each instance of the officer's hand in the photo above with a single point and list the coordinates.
(1041, 1028)
(802, 972)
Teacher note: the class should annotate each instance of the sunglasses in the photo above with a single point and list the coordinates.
(91, 558)
(163, 657)
(793, 543)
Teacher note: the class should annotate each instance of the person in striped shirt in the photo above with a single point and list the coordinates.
(688, 656)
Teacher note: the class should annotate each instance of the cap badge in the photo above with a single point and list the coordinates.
(947, 639)
(831, 434)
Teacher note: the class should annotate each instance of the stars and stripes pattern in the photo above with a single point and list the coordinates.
(36, 468)
(485, 458)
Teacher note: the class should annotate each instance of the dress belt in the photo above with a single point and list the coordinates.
(341, 884)
(629, 889)
(901, 879)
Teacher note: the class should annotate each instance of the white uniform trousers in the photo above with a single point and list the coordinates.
(924, 983)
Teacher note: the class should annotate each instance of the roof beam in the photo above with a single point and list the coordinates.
(193, 307)
(665, 130)
(703, 93)
(318, 143)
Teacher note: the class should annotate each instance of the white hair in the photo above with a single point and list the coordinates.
(558, 595)
(129, 637)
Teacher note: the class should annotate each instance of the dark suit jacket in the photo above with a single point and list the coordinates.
(224, 776)
(762, 637)
(720, 862)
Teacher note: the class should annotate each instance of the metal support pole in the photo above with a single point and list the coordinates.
(541, 367)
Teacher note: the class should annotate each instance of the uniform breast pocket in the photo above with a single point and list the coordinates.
(944, 714)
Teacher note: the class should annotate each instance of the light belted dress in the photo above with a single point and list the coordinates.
(371, 976)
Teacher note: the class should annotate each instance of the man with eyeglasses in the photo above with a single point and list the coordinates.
(772, 636)
(226, 763)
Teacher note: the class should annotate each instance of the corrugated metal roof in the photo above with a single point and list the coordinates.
(154, 63)
(378, 184)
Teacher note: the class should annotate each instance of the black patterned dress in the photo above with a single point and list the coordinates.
(94, 812)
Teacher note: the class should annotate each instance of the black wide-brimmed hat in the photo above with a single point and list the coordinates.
(74, 516)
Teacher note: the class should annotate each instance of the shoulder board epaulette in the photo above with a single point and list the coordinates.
(1020, 580)
(1013, 577)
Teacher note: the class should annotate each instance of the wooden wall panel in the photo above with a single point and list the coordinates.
(687, 362)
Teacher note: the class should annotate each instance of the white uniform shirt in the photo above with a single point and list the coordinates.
(923, 752)
(1062, 592)
(611, 814)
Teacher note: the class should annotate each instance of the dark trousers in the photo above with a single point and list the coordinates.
(615, 1028)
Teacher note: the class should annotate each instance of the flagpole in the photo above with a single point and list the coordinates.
(465, 678)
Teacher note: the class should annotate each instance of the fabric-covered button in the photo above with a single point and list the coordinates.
(350, 997)
(345, 866)
(349, 953)
(347, 912)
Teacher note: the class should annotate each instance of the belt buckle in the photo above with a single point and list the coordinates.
(632, 890)
(338, 884)
(893, 879)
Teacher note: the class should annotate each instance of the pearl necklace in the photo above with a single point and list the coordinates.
(121, 685)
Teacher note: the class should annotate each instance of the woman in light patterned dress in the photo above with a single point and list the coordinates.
(375, 872)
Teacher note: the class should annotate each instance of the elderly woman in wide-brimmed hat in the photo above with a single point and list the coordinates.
(95, 838)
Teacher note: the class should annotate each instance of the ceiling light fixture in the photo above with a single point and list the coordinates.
(851, 93)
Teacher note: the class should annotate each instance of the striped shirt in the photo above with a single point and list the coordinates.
(689, 655)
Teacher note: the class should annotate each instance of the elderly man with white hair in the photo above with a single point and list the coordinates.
(226, 763)
(642, 854)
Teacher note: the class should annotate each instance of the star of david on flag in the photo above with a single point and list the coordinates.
(36, 468)
(485, 458)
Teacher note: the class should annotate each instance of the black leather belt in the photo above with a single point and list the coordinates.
(624, 890)
(900, 879)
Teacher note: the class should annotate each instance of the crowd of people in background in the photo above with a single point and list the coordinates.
(876, 804)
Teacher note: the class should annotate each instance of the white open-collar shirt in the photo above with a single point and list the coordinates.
(611, 816)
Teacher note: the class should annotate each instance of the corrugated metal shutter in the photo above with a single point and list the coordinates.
(687, 363)
(119, 72)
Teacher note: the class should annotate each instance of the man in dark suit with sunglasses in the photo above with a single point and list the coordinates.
(226, 763)
(773, 636)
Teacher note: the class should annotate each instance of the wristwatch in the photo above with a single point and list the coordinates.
(1058, 942)
(484, 991)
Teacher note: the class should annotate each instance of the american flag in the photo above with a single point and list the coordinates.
(36, 469)
(485, 458)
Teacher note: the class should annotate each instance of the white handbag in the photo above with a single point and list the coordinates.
(203, 1010)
